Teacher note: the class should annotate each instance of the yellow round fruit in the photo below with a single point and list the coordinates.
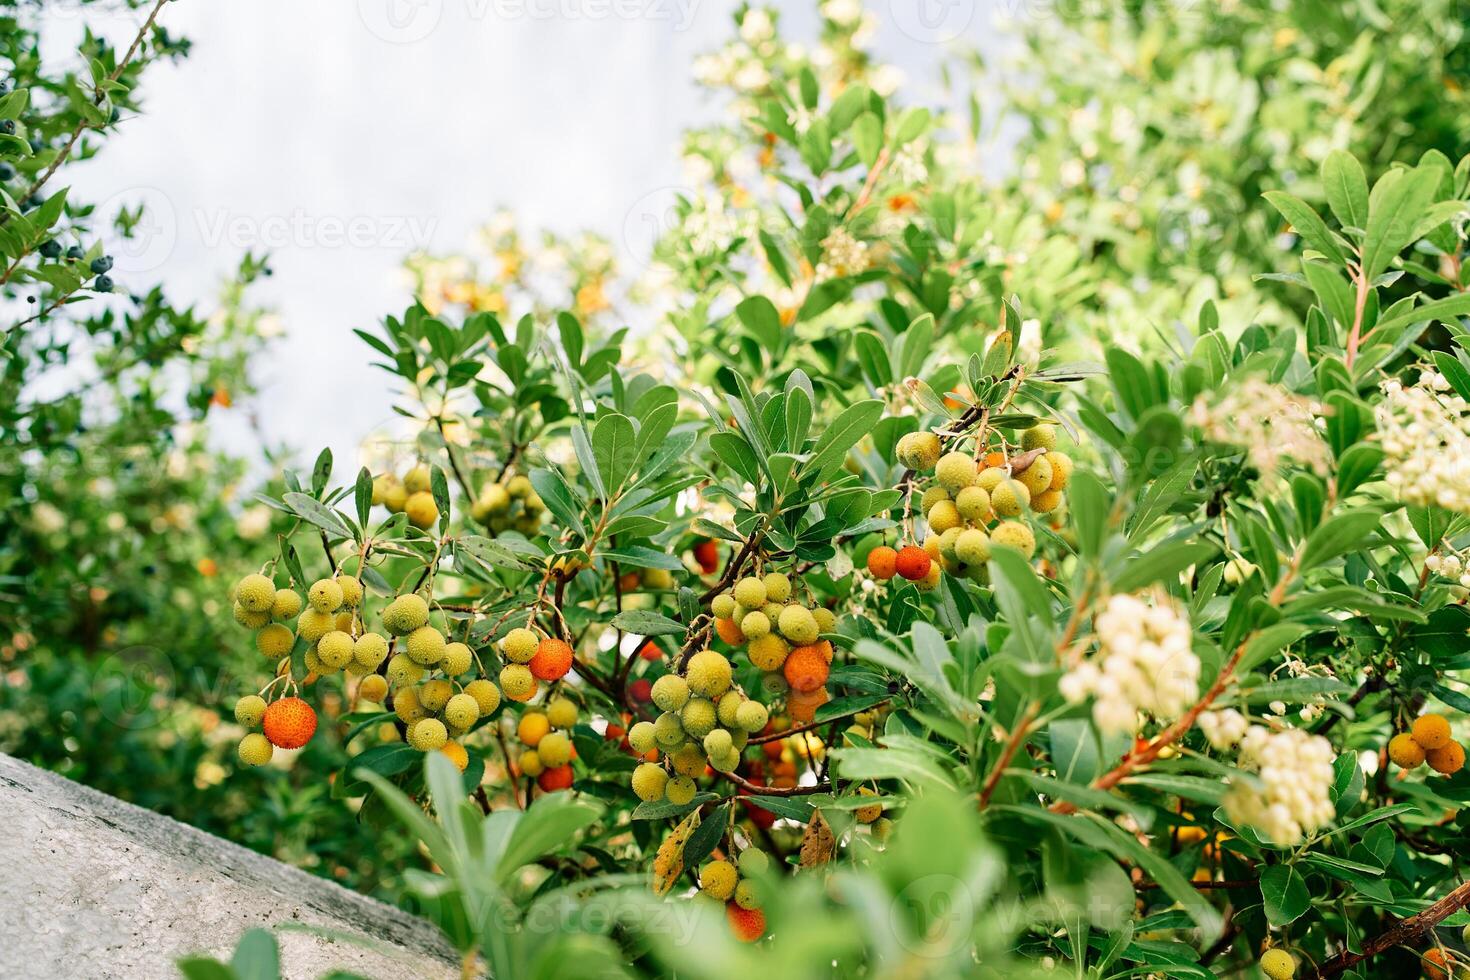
(1037, 477)
(426, 646)
(1278, 964)
(435, 694)
(427, 734)
(717, 879)
(256, 749)
(249, 710)
(325, 595)
(1014, 535)
(709, 673)
(402, 671)
(1448, 759)
(287, 605)
(943, 516)
(374, 688)
(369, 650)
(421, 510)
(531, 764)
(457, 659)
(519, 645)
(798, 625)
(1404, 752)
(562, 713)
(649, 780)
(417, 479)
(973, 505)
(955, 471)
(351, 591)
(275, 640)
(1431, 731)
(255, 593)
(1010, 498)
(407, 707)
(486, 695)
(555, 749)
(335, 649)
(1041, 436)
(1061, 470)
(768, 652)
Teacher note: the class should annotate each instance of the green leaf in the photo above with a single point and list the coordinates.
(706, 836)
(830, 452)
(1349, 531)
(364, 495)
(760, 317)
(1163, 564)
(1347, 188)
(200, 968)
(1306, 223)
(641, 622)
(549, 825)
(1285, 894)
(613, 442)
(1395, 206)
(257, 958)
(315, 512)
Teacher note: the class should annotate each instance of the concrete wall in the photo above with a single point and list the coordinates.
(92, 887)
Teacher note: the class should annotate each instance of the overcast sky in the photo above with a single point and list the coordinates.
(342, 135)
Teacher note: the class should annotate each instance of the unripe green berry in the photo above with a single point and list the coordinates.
(255, 749)
(931, 498)
(709, 674)
(973, 505)
(335, 649)
(955, 472)
(457, 659)
(826, 619)
(287, 604)
(1009, 498)
(519, 645)
(402, 670)
(755, 624)
(249, 710)
(1039, 437)
(717, 743)
(640, 738)
(315, 624)
(649, 780)
(726, 708)
(754, 861)
(1014, 535)
(562, 713)
(680, 790)
(426, 646)
(428, 734)
(798, 625)
(972, 546)
(745, 895)
(668, 730)
(670, 692)
(406, 614)
(698, 717)
(943, 516)
(778, 587)
(325, 595)
(275, 640)
(369, 650)
(750, 592)
(486, 695)
(255, 593)
(462, 711)
(752, 716)
(723, 605)
(435, 694)
(555, 749)
(1036, 477)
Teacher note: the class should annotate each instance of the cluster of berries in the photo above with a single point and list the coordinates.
(548, 752)
(736, 886)
(410, 495)
(287, 722)
(1428, 740)
(511, 505)
(530, 659)
(705, 721)
(974, 505)
(782, 638)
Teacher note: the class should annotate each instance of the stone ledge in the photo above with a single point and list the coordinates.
(93, 887)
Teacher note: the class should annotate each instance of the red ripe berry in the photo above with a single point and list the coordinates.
(552, 660)
(552, 780)
(641, 690)
(289, 723)
(882, 562)
(747, 924)
(650, 651)
(707, 553)
(913, 562)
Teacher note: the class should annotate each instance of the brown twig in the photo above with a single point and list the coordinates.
(1023, 728)
(1402, 932)
(759, 790)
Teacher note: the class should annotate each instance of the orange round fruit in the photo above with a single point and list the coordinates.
(882, 562)
(729, 631)
(650, 651)
(552, 660)
(747, 924)
(1431, 731)
(1448, 759)
(913, 562)
(707, 553)
(289, 723)
(806, 669)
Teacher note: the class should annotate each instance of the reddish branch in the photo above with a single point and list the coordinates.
(760, 790)
(1402, 932)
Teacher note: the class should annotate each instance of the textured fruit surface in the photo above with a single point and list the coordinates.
(552, 660)
(747, 924)
(1431, 731)
(709, 674)
(289, 723)
(883, 562)
(1447, 759)
(457, 754)
(249, 710)
(559, 778)
(255, 749)
(806, 669)
(519, 645)
(517, 683)
(255, 593)
(1405, 752)
(913, 562)
(1278, 964)
(717, 879)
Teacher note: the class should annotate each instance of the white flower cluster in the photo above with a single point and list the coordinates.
(1223, 728)
(842, 255)
(1425, 433)
(1449, 566)
(1144, 663)
(1270, 423)
(1289, 798)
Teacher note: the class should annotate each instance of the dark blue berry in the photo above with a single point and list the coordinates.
(75, 252)
(103, 284)
(50, 248)
(101, 265)
(7, 126)
(6, 171)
